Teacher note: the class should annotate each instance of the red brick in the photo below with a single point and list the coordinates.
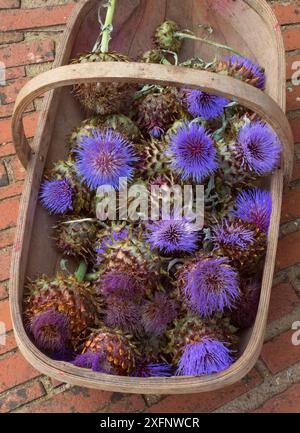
(8, 93)
(11, 190)
(75, 400)
(290, 70)
(9, 213)
(283, 301)
(26, 53)
(290, 205)
(30, 122)
(7, 110)
(296, 170)
(291, 38)
(293, 98)
(5, 264)
(5, 315)
(286, 402)
(35, 18)
(287, 13)
(7, 149)
(19, 171)
(280, 353)
(15, 370)
(3, 291)
(10, 344)
(3, 175)
(14, 73)
(21, 396)
(9, 4)
(201, 403)
(295, 125)
(127, 404)
(288, 254)
(10, 37)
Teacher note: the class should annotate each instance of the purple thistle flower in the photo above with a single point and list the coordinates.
(193, 153)
(124, 314)
(244, 314)
(249, 69)
(145, 369)
(104, 157)
(50, 330)
(254, 206)
(94, 361)
(108, 241)
(205, 357)
(57, 195)
(120, 284)
(232, 234)
(158, 313)
(211, 286)
(171, 236)
(205, 105)
(259, 148)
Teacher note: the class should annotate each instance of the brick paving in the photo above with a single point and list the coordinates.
(274, 384)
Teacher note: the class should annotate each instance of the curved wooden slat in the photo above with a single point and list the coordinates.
(228, 87)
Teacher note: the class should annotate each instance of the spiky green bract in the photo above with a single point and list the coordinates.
(192, 330)
(64, 294)
(104, 98)
(82, 197)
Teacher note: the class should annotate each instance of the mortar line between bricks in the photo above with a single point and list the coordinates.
(23, 385)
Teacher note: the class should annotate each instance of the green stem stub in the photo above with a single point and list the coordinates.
(81, 271)
(183, 35)
(108, 26)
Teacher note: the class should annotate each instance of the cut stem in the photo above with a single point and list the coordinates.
(91, 277)
(81, 271)
(182, 35)
(107, 28)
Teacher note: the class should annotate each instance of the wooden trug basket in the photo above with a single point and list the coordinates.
(250, 27)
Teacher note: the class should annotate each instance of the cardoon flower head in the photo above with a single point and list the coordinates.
(104, 157)
(232, 234)
(171, 236)
(254, 206)
(193, 153)
(50, 330)
(146, 369)
(205, 105)
(204, 357)
(245, 69)
(120, 284)
(94, 361)
(158, 313)
(210, 285)
(57, 195)
(258, 148)
(244, 314)
(123, 314)
(107, 241)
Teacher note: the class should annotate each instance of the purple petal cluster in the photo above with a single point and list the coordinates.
(50, 330)
(258, 147)
(124, 314)
(146, 369)
(193, 153)
(250, 69)
(254, 206)
(205, 105)
(120, 284)
(232, 234)
(94, 361)
(170, 236)
(158, 313)
(211, 286)
(57, 195)
(104, 157)
(204, 357)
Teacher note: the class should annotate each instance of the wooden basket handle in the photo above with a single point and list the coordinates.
(225, 86)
